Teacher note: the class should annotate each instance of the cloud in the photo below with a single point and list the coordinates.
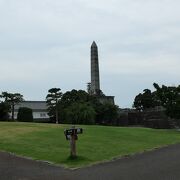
(47, 43)
(139, 65)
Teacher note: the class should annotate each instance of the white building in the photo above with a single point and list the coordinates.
(39, 109)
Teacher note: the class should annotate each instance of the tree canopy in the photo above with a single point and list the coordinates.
(165, 96)
(169, 98)
(78, 107)
(145, 100)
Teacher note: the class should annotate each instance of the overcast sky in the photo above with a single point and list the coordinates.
(46, 43)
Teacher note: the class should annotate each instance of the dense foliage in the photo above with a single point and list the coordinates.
(169, 98)
(25, 114)
(145, 100)
(78, 107)
(166, 96)
(108, 114)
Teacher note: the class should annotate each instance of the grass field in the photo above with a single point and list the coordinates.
(97, 143)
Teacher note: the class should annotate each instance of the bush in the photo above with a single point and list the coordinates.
(25, 114)
(4, 111)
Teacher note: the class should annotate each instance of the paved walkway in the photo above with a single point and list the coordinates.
(161, 164)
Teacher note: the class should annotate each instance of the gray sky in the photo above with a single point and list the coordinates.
(46, 43)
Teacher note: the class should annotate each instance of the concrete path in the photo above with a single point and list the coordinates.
(161, 164)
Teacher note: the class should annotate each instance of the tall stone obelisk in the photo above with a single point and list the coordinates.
(93, 88)
(95, 82)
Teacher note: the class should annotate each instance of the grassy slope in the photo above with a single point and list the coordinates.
(98, 143)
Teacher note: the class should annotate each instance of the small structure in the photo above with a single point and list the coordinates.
(39, 109)
(72, 136)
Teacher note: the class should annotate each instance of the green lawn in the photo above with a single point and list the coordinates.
(96, 144)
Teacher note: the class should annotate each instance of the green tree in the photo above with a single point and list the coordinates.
(74, 101)
(12, 99)
(75, 96)
(145, 100)
(52, 100)
(79, 105)
(169, 98)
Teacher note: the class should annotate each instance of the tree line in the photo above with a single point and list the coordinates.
(73, 107)
(78, 107)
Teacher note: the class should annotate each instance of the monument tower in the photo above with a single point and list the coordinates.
(95, 82)
(93, 87)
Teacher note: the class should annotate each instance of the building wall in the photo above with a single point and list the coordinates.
(39, 109)
(36, 115)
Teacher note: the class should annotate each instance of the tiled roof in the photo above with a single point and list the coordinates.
(34, 105)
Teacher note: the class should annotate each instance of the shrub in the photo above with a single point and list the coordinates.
(4, 111)
(25, 114)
